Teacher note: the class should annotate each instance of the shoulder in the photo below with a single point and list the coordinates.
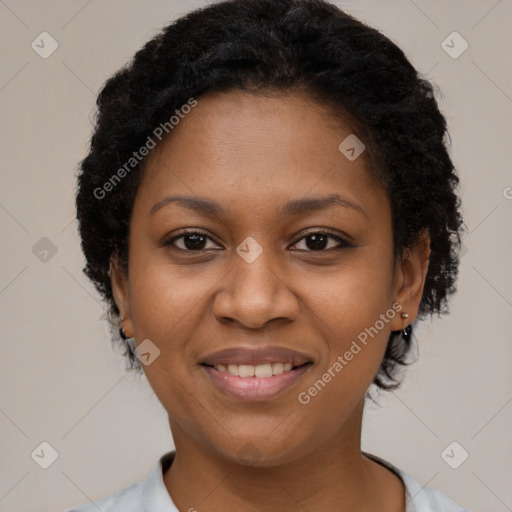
(427, 499)
(126, 500)
(150, 494)
(420, 498)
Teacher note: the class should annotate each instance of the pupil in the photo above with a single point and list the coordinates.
(314, 242)
(318, 241)
(194, 241)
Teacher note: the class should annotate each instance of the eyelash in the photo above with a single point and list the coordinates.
(344, 244)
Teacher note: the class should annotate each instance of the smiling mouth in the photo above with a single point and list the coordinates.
(248, 371)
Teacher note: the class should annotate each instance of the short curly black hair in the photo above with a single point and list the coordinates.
(260, 46)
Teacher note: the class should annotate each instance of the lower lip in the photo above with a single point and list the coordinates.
(254, 388)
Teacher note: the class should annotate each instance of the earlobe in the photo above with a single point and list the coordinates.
(413, 268)
(119, 284)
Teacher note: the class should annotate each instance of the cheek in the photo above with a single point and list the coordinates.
(351, 297)
(353, 311)
(165, 298)
(166, 307)
(355, 347)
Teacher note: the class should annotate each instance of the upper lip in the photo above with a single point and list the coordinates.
(255, 356)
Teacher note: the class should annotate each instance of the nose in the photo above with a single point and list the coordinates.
(253, 294)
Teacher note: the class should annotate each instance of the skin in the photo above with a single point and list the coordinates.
(252, 154)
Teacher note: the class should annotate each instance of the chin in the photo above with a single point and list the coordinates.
(267, 452)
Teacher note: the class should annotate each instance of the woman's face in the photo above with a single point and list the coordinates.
(271, 264)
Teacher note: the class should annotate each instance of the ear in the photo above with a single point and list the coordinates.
(410, 276)
(120, 290)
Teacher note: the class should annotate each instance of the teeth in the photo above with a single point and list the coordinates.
(277, 368)
(263, 370)
(246, 370)
(259, 370)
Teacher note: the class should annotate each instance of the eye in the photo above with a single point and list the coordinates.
(317, 241)
(190, 241)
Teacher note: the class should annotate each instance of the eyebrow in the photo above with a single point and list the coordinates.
(295, 207)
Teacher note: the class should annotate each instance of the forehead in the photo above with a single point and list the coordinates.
(254, 151)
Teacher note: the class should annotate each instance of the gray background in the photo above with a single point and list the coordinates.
(60, 380)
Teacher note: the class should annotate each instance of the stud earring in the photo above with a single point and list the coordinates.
(407, 330)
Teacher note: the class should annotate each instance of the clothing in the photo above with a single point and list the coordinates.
(152, 496)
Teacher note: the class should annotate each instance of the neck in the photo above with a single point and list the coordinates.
(334, 476)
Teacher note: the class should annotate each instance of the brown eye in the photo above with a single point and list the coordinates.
(316, 241)
(190, 241)
(319, 241)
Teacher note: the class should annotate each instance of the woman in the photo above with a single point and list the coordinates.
(268, 206)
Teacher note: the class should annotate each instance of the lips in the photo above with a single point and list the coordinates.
(255, 357)
(256, 374)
